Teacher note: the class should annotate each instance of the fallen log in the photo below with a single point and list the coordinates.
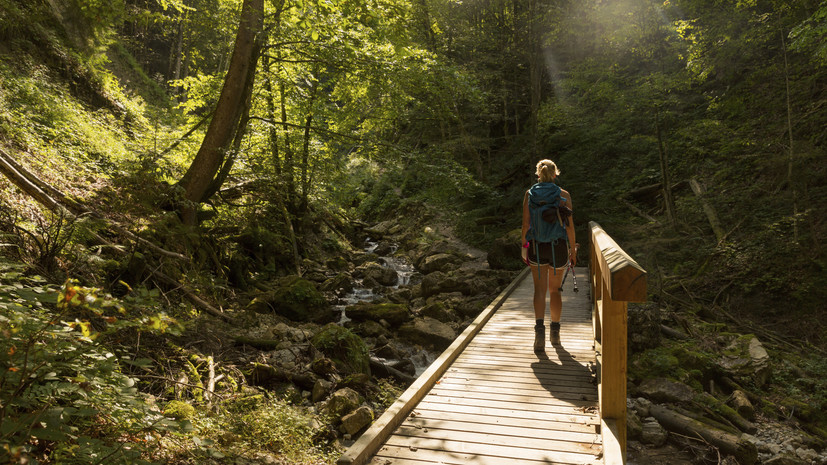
(719, 408)
(673, 333)
(742, 405)
(380, 369)
(737, 446)
(638, 211)
(56, 200)
(23, 179)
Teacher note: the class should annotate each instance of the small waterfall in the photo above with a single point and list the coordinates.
(405, 271)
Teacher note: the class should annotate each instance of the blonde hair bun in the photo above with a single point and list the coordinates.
(547, 170)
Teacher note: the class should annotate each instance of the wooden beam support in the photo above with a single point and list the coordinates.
(616, 279)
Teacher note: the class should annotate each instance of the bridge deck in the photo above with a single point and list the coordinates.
(500, 403)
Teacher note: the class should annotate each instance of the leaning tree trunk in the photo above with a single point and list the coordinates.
(223, 126)
(668, 201)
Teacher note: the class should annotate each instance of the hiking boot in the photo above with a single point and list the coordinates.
(554, 333)
(539, 338)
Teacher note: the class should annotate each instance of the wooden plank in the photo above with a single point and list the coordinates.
(566, 369)
(519, 384)
(490, 349)
(373, 438)
(529, 430)
(415, 436)
(425, 415)
(399, 461)
(392, 455)
(523, 398)
(477, 453)
(556, 412)
(506, 387)
(547, 381)
(537, 369)
(505, 412)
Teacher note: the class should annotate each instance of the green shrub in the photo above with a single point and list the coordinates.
(63, 396)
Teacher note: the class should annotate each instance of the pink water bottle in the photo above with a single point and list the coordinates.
(524, 253)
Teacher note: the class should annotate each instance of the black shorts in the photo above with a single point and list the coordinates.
(556, 255)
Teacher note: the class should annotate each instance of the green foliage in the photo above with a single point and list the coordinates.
(63, 395)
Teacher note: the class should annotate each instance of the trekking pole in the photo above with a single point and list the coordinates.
(564, 278)
(574, 277)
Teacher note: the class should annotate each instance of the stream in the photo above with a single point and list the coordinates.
(405, 271)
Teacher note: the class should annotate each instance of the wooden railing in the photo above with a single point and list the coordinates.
(615, 280)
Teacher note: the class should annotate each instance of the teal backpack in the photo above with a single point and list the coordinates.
(548, 218)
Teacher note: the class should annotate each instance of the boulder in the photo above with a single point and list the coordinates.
(380, 274)
(428, 332)
(664, 390)
(321, 389)
(470, 308)
(438, 262)
(438, 311)
(295, 298)
(504, 252)
(342, 402)
(394, 314)
(347, 350)
(370, 328)
(439, 282)
(383, 229)
(353, 422)
(745, 358)
(340, 284)
(338, 263)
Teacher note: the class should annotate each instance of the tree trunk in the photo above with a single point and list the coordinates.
(228, 111)
(743, 450)
(288, 151)
(241, 130)
(306, 163)
(790, 131)
(711, 216)
(664, 169)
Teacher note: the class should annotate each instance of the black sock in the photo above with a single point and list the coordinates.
(539, 322)
(555, 324)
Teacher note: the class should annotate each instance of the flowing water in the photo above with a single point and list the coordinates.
(405, 272)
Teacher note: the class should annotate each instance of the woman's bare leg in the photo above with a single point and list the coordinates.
(555, 279)
(540, 288)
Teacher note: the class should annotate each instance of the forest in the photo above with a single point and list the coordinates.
(234, 231)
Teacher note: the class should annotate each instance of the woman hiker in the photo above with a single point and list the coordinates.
(548, 236)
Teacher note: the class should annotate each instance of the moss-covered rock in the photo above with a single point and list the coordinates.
(394, 314)
(347, 350)
(179, 410)
(295, 298)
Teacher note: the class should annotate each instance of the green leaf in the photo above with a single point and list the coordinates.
(49, 434)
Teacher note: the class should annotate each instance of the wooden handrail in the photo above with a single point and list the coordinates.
(616, 279)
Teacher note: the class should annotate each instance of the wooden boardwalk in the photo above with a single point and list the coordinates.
(501, 403)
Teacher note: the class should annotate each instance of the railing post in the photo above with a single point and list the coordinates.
(616, 279)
